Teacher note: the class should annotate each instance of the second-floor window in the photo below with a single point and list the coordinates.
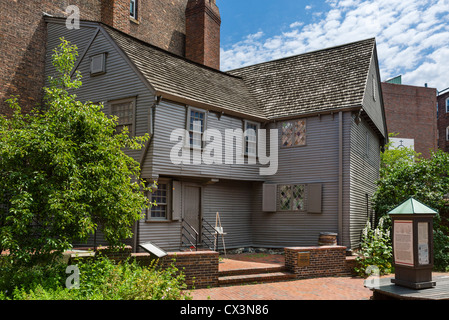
(293, 133)
(447, 105)
(251, 129)
(196, 124)
(124, 110)
(133, 9)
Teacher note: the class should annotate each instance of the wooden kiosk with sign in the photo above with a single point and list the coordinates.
(413, 245)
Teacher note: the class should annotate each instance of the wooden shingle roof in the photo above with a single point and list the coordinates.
(326, 80)
(314, 82)
(178, 78)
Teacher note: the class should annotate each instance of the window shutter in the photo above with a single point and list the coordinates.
(314, 198)
(269, 198)
(98, 64)
(176, 201)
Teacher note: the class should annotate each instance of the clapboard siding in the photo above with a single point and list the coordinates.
(364, 172)
(233, 201)
(317, 162)
(170, 116)
(119, 82)
(80, 37)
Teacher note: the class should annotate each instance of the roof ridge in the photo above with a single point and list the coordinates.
(177, 56)
(305, 53)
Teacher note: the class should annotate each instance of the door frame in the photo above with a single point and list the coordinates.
(200, 214)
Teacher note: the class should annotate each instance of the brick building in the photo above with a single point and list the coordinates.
(411, 113)
(159, 22)
(443, 120)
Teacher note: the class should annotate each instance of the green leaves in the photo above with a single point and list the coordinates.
(406, 174)
(64, 171)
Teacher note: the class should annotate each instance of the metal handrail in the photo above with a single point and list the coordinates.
(211, 233)
(195, 236)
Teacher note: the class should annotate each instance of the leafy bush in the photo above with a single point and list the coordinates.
(404, 174)
(64, 172)
(100, 279)
(376, 250)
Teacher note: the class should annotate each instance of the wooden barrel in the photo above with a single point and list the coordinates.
(327, 239)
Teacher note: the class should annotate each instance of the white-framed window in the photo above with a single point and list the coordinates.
(196, 125)
(133, 9)
(447, 105)
(124, 109)
(291, 197)
(161, 195)
(250, 138)
(293, 133)
(447, 134)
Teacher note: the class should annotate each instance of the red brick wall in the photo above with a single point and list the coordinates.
(326, 261)
(203, 32)
(200, 268)
(411, 112)
(23, 37)
(22, 46)
(443, 122)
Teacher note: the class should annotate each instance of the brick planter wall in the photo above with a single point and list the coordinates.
(324, 261)
(200, 268)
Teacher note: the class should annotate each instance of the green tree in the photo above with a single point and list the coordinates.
(64, 171)
(404, 174)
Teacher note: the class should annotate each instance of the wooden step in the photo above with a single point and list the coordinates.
(255, 278)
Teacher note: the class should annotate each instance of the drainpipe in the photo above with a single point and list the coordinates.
(340, 178)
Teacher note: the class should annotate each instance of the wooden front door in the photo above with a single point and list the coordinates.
(192, 206)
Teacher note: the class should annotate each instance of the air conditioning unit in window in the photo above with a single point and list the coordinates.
(98, 64)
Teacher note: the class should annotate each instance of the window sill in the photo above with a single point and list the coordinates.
(159, 221)
(134, 20)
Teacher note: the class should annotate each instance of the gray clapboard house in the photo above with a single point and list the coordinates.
(325, 106)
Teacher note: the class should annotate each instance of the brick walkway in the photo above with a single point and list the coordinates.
(339, 288)
(334, 288)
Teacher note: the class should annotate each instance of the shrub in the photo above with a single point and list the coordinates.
(103, 279)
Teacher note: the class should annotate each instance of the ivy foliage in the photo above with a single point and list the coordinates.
(64, 171)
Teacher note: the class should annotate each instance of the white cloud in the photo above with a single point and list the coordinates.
(412, 38)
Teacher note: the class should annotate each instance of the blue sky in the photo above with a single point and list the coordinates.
(412, 35)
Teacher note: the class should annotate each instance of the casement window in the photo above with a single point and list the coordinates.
(250, 132)
(125, 110)
(160, 196)
(293, 133)
(196, 125)
(291, 197)
(133, 9)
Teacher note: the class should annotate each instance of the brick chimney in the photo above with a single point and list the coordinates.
(203, 32)
(115, 13)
